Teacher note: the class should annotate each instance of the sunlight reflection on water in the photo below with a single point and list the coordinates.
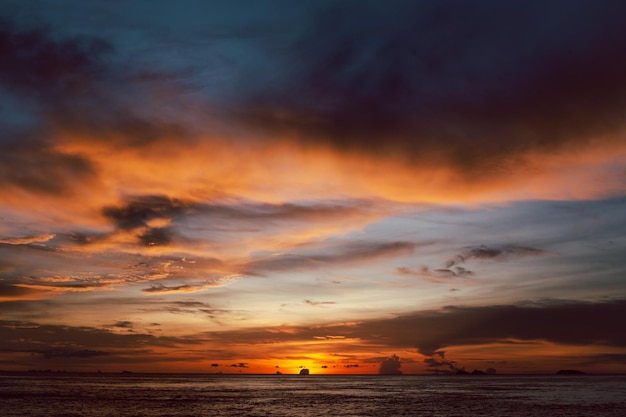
(315, 395)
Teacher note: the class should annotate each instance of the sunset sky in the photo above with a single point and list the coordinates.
(347, 186)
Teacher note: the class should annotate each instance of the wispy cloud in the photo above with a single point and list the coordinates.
(493, 253)
(318, 303)
(346, 254)
(26, 240)
(186, 288)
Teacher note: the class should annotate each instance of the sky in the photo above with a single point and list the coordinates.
(352, 187)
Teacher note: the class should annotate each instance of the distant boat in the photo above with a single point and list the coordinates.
(304, 371)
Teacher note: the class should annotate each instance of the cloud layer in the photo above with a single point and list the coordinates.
(330, 183)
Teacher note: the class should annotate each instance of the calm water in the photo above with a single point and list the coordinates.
(314, 395)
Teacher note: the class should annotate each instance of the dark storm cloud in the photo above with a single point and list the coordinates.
(557, 322)
(35, 64)
(65, 82)
(350, 253)
(560, 322)
(138, 211)
(156, 236)
(71, 340)
(68, 83)
(472, 83)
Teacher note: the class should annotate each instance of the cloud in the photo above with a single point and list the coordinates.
(103, 263)
(430, 331)
(346, 254)
(186, 307)
(438, 360)
(186, 288)
(390, 366)
(240, 365)
(46, 75)
(284, 212)
(124, 324)
(604, 359)
(489, 253)
(85, 353)
(54, 341)
(10, 292)
(37, 169)
(452, 271)
(26, 240)
(473, 88)
(156, 236)
(455, 275)
(38, 65)
(319, 303)
(139, 211)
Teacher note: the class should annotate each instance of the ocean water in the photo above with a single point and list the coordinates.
(314, 395)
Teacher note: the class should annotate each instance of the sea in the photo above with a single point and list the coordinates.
(115, 395)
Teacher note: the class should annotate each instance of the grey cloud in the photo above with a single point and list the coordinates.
(390, 366)
(431, 331)
(138, 211)
(492, 253)
(161, 288)
(551, 321)
(54, 341)
(454, 274)
(44, 269)
(318, 303)
(60, 353)
(286, 211)
(349, 253)
(188, 307)
(240, 365)
(124, 324)
(156, 236)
